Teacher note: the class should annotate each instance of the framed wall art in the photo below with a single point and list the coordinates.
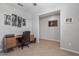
(7, 19)
(69, 20)
(19, 21)
(24, 22)
(52, 23)
(14, 20)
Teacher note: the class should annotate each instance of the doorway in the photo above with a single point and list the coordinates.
(49, 34)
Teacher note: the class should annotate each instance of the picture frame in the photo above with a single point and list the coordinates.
(19, 21)
(52, 23)
(7, 19)
(68, 20)
(14, 20)
(24, 22)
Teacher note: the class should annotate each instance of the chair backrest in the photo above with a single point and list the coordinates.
(26, 35)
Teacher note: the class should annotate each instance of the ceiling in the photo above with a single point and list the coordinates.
(41, 7)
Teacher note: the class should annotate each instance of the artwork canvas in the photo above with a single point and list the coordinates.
(14, 20)
(24, 22)
(69, 20)
(52, 23)
(19, 21)
(7, 19)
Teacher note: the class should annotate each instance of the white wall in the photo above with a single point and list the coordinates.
(35, 26)
(69, 32)
(8, 29)
(49, 33)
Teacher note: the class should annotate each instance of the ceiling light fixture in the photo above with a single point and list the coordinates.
(20, 4)
(35, 4)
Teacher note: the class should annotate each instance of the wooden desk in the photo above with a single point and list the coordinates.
(18, 36)
(9, 42)
(12, 41)
(32, 39)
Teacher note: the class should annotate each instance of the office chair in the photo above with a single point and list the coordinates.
(25, 40)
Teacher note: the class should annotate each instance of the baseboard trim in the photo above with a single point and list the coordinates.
(56, 40)
(70, 50)
(52, 40)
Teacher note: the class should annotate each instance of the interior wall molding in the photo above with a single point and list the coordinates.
(51, 39)
(70, 50)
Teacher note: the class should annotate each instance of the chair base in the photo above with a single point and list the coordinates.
(23, 47)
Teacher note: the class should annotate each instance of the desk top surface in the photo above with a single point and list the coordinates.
(18, 36)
